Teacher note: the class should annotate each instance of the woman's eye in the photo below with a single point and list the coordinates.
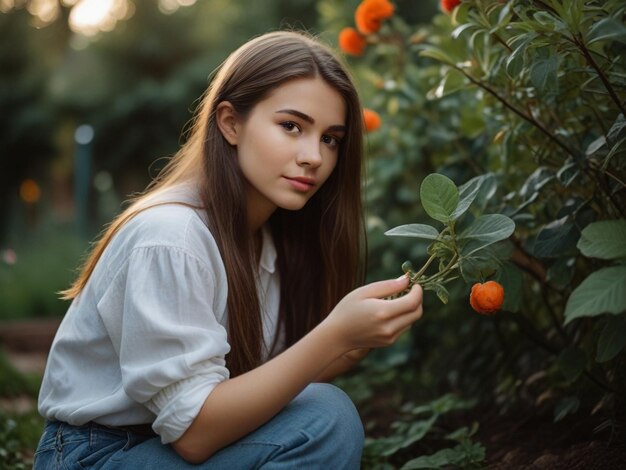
(290, 126)
(330, 140)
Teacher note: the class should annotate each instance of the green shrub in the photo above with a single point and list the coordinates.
(530, 95)
(45, 263)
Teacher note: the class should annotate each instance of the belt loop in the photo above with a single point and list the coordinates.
(58, 443)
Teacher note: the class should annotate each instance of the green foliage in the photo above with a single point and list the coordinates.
(26, 137)
(12, 443)
(137, 86)
(44, 265)
(466, 253)
(399, 428)
(603, 290)
(413, 425)
(530, 98)
(19, 433)
(13, 383)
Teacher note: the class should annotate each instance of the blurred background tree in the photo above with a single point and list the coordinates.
(131, 71)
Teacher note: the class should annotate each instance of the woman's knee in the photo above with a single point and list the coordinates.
(335, 410)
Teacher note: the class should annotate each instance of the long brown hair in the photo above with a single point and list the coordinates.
(320, 248)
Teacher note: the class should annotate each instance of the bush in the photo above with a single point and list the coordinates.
(528, 95)
(34, 269)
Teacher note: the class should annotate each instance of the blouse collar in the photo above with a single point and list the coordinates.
(268, 251)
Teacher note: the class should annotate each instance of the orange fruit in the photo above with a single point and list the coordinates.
(487, 298)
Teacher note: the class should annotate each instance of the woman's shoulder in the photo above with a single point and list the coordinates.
(173, 219)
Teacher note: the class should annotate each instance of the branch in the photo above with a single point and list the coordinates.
(519, 112)
(605, 81)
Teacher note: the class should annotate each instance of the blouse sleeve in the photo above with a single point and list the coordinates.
(160, 314)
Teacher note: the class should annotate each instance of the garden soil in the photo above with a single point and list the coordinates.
(537, 443)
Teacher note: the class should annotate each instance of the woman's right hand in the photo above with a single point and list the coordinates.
(364, 319)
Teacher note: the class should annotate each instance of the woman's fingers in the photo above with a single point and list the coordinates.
(405, 304)
(404, 321)
(381, 289)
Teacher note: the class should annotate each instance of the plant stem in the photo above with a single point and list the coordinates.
(424, 268)
(517, 111)
(578, 40)
(442, 273)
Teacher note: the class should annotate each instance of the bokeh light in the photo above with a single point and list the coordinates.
(87, 17)
(30, 192)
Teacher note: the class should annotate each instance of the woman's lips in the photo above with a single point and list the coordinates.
(300, 183)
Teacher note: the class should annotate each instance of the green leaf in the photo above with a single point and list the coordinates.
(423, 231)
(561, 272)
(484, 263)
(556, 239)
(615, 149)
(460, 455)
(596, 145)
(383, 446)
(607, 28)
(467, 194)
(612, 339)
(515, 61)
(488, 188)
(568, 173)
(566, 406)
(439, 196)
(437, 54)
(546, 19)
(442, 293)
(484, 231)
(437, 460)
(617, 130)
(571, 362)
(601, 292)
(511, 278)
(389, 446)
(543, 73)
(459, 29)
(536, 181)
(605, 239)
(463, 434)
(418, 430)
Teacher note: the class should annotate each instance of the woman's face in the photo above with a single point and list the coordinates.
(288, 145)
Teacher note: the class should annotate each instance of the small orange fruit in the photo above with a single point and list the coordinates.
(351, 41)
(370, 14)
(487, 298)
(371, 119)
(449, 5)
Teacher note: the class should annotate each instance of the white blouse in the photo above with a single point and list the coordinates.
(145, 340)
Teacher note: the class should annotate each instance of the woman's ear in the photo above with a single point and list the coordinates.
(226, 118)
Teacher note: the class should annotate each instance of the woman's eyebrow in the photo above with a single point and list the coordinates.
(309, 119)
(299, 114)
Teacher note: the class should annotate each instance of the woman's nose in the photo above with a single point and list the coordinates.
(310, 156)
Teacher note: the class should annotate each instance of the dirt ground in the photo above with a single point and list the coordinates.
(537, 443)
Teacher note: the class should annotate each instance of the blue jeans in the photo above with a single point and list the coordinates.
(319, 429)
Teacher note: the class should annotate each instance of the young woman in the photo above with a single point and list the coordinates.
(210, 309)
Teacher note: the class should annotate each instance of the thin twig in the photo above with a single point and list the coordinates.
(605, 81)
(517, 111)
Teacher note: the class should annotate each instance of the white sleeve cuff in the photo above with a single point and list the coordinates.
(177, 405)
